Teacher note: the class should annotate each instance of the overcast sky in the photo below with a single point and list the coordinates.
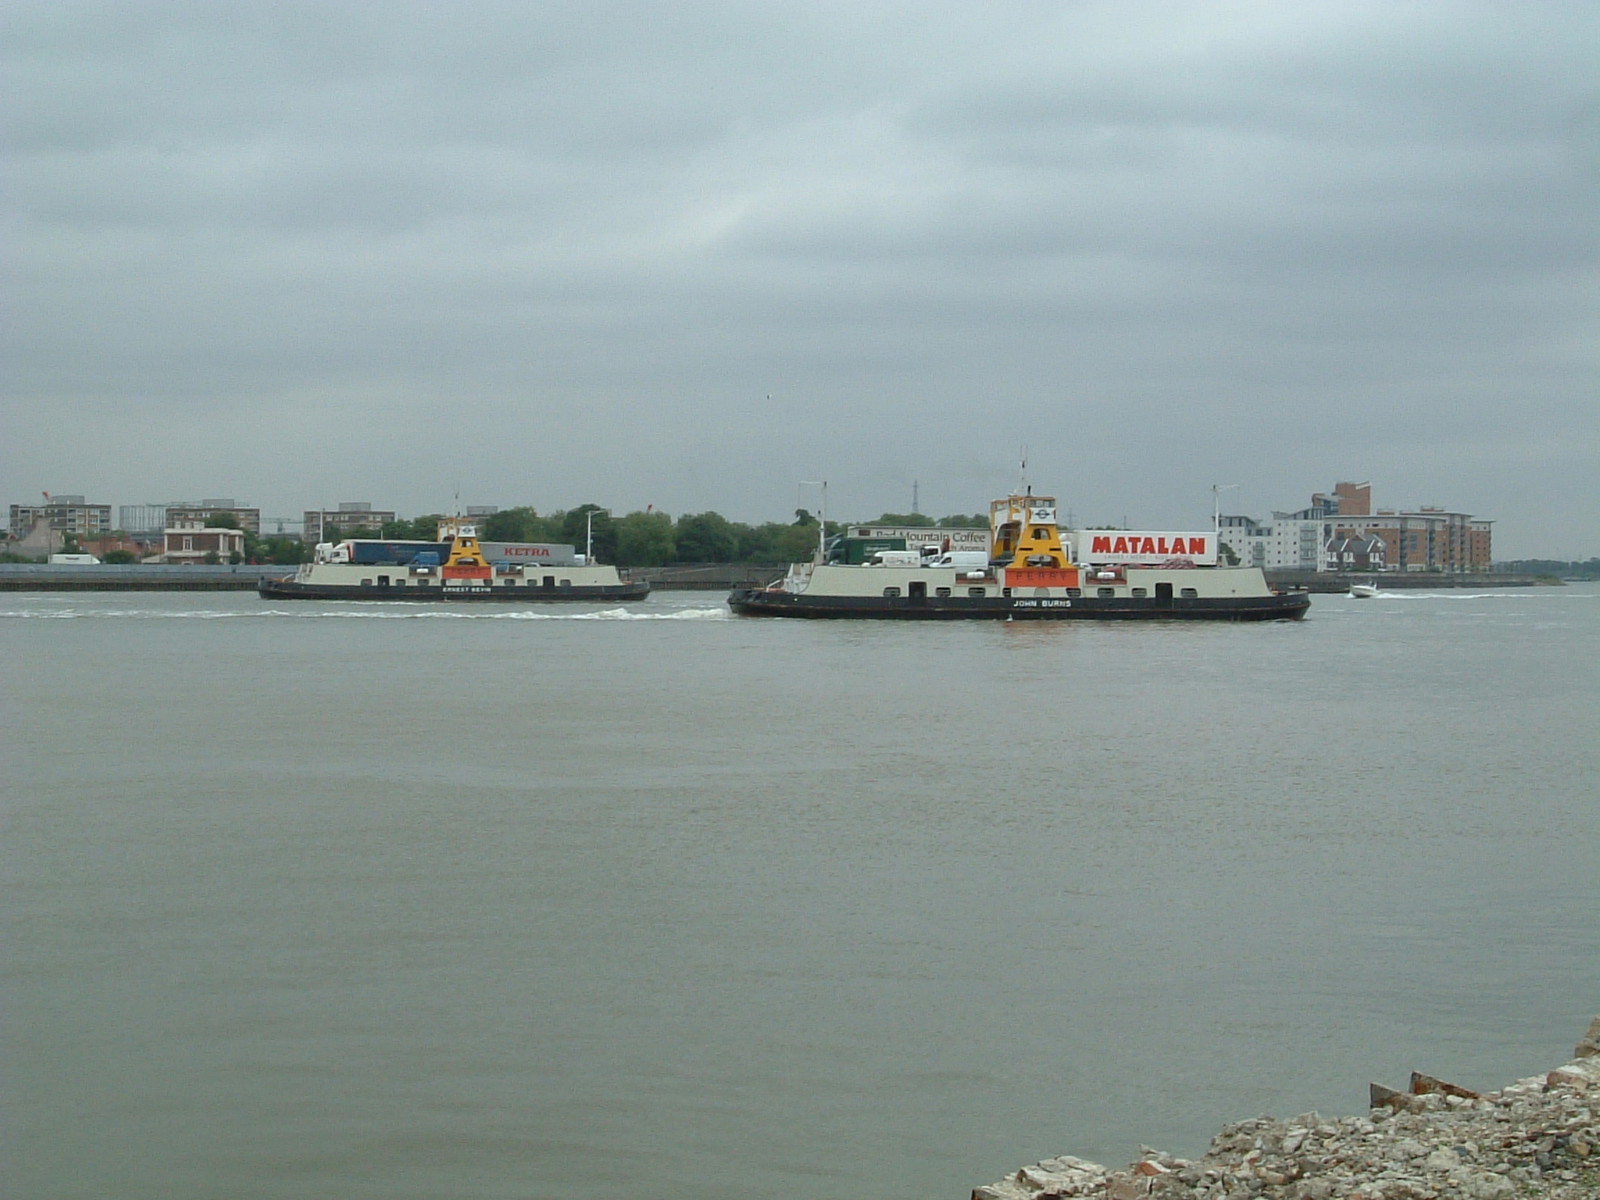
(691, 254)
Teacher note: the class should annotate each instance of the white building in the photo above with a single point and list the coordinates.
(1245, 538)
(1290, 541)
(141, 518)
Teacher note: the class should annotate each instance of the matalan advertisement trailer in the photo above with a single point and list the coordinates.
(1138, 547)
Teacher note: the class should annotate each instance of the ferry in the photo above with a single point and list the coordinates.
(456, 567)
(1032, 574)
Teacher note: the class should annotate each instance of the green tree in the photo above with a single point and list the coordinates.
(119, 556)
(644, 539)
(278, 550)
(706, 537)
(1552, 568)
(575, 529)
(774, 543)
(223, 520)
(506, 525)
(906, 520)
(284, 551)
(520, 525)
(417, 529)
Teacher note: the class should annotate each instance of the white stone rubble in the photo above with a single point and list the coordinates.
(1538, 1137)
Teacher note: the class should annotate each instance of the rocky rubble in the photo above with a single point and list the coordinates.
(1538, 1137)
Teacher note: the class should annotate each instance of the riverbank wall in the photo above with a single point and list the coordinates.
(135, 577)
(152, 577)
(1537, 1137)
(715, 577)
(1337, 583)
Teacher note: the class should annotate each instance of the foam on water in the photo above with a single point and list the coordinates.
(366, 612)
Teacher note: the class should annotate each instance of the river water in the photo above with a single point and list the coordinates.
(318, 900)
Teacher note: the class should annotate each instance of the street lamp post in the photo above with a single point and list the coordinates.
(822, 519)
(1216, 508)
(588, 539)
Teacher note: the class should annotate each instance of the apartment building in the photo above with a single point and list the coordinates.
(1428, 539)
(156, 518)
(1340, 531)
(142, 518)
(62, 515)
(249, 519)
(1289, 541)
(352, 518)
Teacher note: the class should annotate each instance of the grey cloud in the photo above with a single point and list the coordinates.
(1296, 242)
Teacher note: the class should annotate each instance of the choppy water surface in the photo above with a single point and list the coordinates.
(372, 901)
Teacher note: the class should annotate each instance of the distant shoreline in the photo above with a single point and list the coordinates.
(142, 577)
(1395, 581)
(154, 577)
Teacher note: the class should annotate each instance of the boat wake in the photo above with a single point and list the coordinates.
(611, 614)
(120, 614)
(1454, 594)
(366, 612)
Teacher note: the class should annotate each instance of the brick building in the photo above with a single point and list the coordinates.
(193, 542)
(1340, 529)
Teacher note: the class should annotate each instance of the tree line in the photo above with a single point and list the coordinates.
(1553, 568)
(656, 539)
(639, 539)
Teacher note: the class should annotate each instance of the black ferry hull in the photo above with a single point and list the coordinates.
(764, 602)
(292, 589)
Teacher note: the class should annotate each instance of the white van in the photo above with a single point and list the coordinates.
(74, 560)
(895, 558)
(964, 560)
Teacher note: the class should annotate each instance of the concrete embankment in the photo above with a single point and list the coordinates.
(1396, 581)
(143, 577)
(38, 577)
(717, 577)
(723, 577)
(135, 577)
(1537, 1137)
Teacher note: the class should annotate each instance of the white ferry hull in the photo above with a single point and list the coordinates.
(930, 594)
(340, 581)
